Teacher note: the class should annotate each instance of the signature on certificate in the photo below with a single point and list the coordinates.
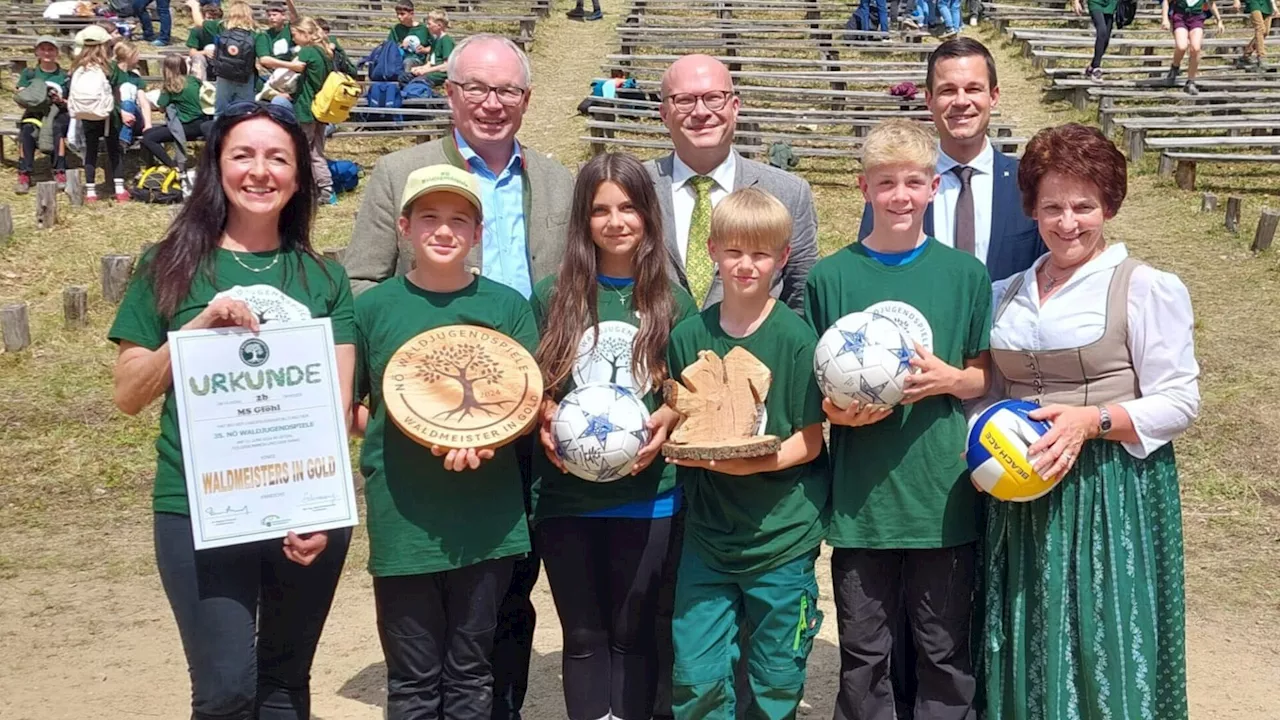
(213, 512)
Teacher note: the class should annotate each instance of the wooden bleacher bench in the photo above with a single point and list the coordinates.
(1182, 165)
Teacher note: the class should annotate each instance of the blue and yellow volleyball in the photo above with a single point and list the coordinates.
(997, 456)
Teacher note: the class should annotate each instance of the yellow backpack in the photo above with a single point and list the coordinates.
(336, 98)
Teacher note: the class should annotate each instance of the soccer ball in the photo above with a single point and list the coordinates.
(997, 456)
(599, 429)
(865, 357)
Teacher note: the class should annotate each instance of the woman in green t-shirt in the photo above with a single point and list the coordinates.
(313, 63)
(238, 255)
(606, 318)
(182, 91)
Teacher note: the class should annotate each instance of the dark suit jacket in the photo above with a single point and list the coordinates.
(1015, 239)
(791, 190)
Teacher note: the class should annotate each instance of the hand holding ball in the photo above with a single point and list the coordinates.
(997, 455)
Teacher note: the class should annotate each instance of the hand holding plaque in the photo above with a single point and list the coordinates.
(721, 405)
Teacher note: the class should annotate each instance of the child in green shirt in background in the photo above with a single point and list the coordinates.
(441, 545)
(436, 66)
(903, 512)
(753, 526)
(411, 35)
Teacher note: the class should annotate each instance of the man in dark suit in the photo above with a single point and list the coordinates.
(700, 109)
(978, 207)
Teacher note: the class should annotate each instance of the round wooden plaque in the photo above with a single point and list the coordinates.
(462, 386)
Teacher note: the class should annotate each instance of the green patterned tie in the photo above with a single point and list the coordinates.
(697, 261)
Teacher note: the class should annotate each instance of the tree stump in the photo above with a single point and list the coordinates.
(116, 271)
(719, 402)
(46, 205)
(75, 187)
(1185, 175)
(1233, 214)
(15, 327)
(1208, 202)
(1135, 141)
(75, 306)
(1166, 166)
(6, 224)
(1266, 231)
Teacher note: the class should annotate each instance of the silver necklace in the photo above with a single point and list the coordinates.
(1052, 281)
(236, 256)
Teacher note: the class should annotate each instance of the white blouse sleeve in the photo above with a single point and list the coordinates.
(1161, 344)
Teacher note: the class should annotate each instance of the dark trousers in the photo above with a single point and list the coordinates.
(153, 140)
(937, 587)
(28, 140)
(437, 635)
(1102, 26)
(605, 574)
(94, 132)
(249, 618)
(144, 19)
(513, 641)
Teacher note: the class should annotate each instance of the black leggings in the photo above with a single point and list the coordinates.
(154, 138)
(604, 575)
(28, 142)
(1102, 25)
(94, 131)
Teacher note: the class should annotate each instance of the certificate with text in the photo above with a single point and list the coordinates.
(264, 437)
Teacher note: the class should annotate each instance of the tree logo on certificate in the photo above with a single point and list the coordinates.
(254, 352)
(461, 386)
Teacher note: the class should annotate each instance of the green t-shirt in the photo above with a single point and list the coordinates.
(421, 517)
(198, 38)
(1190, 7)
(608, 359)
(310, 81)
(753, 523)
(1262, 6)
(118, 77)
(188, 101)
(319, 284)
(274, 43)
(58, 75)
(902, 483)
(441, 48)
(399, 32)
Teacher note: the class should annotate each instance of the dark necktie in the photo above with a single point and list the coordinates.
(964, 210)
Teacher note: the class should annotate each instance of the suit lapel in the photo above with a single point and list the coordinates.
(1001, 197)
(663, 189)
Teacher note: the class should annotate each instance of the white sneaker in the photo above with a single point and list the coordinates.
(973, 21)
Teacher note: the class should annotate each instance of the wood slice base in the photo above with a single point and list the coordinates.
(751, 447)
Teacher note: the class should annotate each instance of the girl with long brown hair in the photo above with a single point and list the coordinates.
(182, 91)
(606, 318)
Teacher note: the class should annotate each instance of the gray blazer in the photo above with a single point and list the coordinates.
(793, 191)
(376, 252)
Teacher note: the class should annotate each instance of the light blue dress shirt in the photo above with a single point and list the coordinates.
(504, 249)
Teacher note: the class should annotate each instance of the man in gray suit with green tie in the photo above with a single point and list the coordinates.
(700, 109)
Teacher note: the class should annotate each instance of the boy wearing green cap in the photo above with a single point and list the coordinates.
(48, 72)
(441, 545)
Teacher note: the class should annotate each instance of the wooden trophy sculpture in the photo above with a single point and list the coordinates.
(721, 404)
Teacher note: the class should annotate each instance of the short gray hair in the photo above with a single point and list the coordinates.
(452, 69)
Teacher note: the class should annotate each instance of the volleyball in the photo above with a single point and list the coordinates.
(864, 356)
(997, 456)
(599, 429)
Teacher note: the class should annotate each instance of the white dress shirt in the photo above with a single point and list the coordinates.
(1160, 337)
(683, 195)
(982, 184)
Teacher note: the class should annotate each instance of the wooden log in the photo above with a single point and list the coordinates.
(46, 205)
(1185, 175)
(75, 187)
(1166, 166)
(1233, 214)
(1208, 202)
(15, 327)
(75, 306)
(1135, 141)
(718, 401)
(6, 224)
(1266, 231)
(1080, 99)
(116, 271)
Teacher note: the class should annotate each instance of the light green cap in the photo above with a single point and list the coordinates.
(441, 178)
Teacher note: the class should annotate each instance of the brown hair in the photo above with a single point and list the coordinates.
(174, 73)
(1079, 151)
(573, 305)
(960, 47)
(99, 55)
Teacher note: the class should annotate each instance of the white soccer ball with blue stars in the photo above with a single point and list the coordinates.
(864, 356)
(599, 429)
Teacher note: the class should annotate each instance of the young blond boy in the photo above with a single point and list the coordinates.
(441, 548)
(903, 518)
(753, 526)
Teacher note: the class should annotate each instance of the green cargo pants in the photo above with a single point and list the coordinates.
(780, 610)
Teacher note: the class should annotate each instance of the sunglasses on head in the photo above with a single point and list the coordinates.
(246, 108)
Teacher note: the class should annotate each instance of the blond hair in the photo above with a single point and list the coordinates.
(312, 34)
(899, 142)
(751, 219)
(174, 73)
(125, 52)
(439, 16)
(93, 55)
(239, 15)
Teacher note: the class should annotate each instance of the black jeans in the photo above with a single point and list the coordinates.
(437, 635)
(937, 586)
(249, 619)
(153, 140)
(605, 574)
(517, 619)
(1102, 26)
(28, 141)
(94, 132)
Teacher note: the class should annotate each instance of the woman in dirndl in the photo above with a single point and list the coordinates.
(1084, 605)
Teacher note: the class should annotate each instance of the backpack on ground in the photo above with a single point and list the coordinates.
(334, 101)
(385, 62)
(91, 97)
(157, 184)
(233, 55)
(34, 97)
(346, 175)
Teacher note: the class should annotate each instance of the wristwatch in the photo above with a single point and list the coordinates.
(1104, 421)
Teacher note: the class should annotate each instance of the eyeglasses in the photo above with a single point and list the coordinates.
(714, 100)
(279, 113)
(478, 92)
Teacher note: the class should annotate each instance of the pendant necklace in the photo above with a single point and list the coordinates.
(236, 256)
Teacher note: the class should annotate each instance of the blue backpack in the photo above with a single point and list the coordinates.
(416, 89)
(346, 175)
(385, 62)
(384, 95)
